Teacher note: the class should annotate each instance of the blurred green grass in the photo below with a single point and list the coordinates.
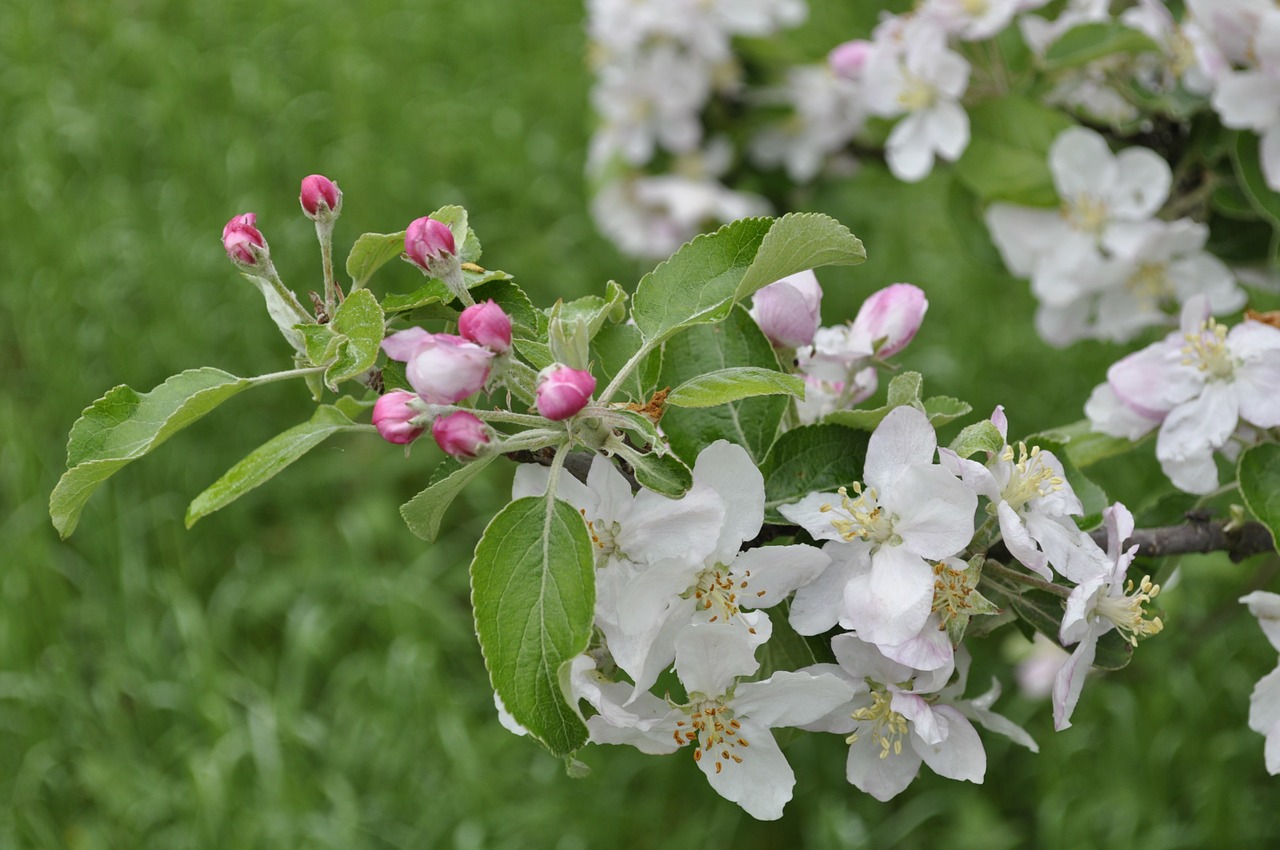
(299, 670)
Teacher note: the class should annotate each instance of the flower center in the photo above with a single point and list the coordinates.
(604, 535)
(1127, 614)
(951, 589)
(719, 591)
(862, 517)
(1029, 479)
(1086, 213)
(711, 724)
(1150, 282)
(1207, 351)
(976, 7)
(888, 727)
(916, 93)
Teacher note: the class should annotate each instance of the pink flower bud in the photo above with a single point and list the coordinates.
(848, 59)
(486, 324)
(788, 310)
(889, 319)
(460, 434)
(441, 368)
(320, 196)
(393, 416)
(242, 240)
(427, 241)
(562, 391)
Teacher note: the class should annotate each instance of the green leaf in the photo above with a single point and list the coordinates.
(359, 321)
(666, 475)
(124, 425)
(1084, 43)
(595, 311)
(432, 292)
(811, 458)
(1249, 171)
(1043, 612)
(979, 437)
(702, 281)
(538, 354)
(942, 409)
(320, 342)
(371, 252)
(269, 459)
(612, 347)
(751, 422)
(1092, 497)
(1008, 154)
(424, 511)
(641, 428)
(533, 591)
(282, 307)
(1259, 475)
(1084, 446)
(785, 649)
(738, 382)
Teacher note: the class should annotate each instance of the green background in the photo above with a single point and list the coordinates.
(299, 670)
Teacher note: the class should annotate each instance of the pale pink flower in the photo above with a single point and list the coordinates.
(441, 368)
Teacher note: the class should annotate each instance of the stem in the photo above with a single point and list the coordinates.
(286, 294)
(502, 416)
(557, 463)
(324, 233)
(272, 377)
(1001, 571)
(627, 368)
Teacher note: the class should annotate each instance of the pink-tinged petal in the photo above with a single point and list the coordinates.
(882, 778)
(861, 659)
(1001, 422)
(788, 310)
(808, 513)
(961, 755)
(709, 658)
(929, 650)
(902, 439)
(817, 606)
(1024, 234)
(890, 318)
(770, 573)
(1020, 544)
(1109, 415)
(1070, 681)
(402, 345)
(791, 699)
(1266, 607)
(894, 601)
(727, 468)
(1143, 184)
(1154, 380)
(761, 782)
(925, 725)
(934, 511)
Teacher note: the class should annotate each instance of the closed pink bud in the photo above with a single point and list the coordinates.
(242, 240)
(889, 319)
(320, 196)
(460, 434)
(848, 59)
(486, 324)
(393, 417)
(427, 241)
(562, 391)
(789, 310)
(441, 368)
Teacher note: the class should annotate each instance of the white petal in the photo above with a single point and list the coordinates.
(728, 469)
(818, 605)
(930, 649)
(961, 756)
(863, 660)
(808, 514)
(902, 439)
(1143, 183)
(1081, 163)
(934, 511)
(709, 658)
(772, 572)
(1024, 234)
(1070, 681)
(761, 782)
(882, 778)
(656, 527)
(791, 698)
(1266, 607)
(892, 603)
(1019, 543)
(1264, 703)
(925, 725)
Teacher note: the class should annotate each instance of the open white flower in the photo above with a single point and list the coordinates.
(896, 721)
(728, 723)
(1096, 606)
(1264, 704)
(910, 512)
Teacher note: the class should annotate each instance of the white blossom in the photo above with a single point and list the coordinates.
(1264, 704)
